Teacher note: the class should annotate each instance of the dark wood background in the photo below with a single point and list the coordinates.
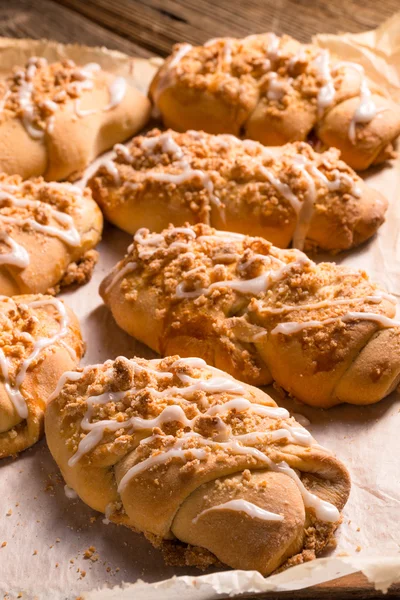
(149, 27)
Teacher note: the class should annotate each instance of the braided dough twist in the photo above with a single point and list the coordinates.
(322, 332)
(287, 194)
(188, 455)
(277, 90)
(39, 339)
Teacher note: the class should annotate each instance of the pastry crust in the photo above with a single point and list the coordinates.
(276, 90)
(39, 339)
(322, 332)
(47, 235)
(286, 195)
(189, 456)
(56, 118)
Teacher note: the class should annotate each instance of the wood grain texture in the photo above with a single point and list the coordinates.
(148, 27)
(46, 19)
(157, 24)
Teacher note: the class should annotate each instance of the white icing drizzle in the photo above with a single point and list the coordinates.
(303, 209)
(255, 286)
(67, 376)
(327, 92)
(67, 232)
(14, 390)
(277, 88)
(293, 327)
(17, 256)
(248, 508)
(121, 149)
(323, 510)
(170, 146)
(263, 282)
(182, 51)
(117, 92)
(112, 170)
(25, 97)
(227, 46)
(366, 109)
(375, 299)
(83, 81)
(174, 412)
(273, 51)
(128, 268)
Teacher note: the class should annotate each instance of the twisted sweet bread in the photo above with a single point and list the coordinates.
(277, 90)
(186, 454)
(322, 332)
(287, 194)
(47, 235)
(56, 118)
(39, 340)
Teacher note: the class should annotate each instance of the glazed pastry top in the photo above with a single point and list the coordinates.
(37, 92)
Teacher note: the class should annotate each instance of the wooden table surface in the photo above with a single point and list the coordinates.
(148, 27)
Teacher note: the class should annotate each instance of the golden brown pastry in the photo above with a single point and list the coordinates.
(277, 90)
(47, 235)
(208, 468)
(39, 340)
(287, 194)
(56, 118)
(324, 333)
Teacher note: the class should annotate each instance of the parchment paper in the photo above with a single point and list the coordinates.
(44, 535)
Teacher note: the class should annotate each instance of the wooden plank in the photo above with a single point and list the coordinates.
(157, 24)
(47, 19)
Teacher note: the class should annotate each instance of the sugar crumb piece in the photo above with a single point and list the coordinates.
(89, 552)
(9, 513)
(4, 544)
(358, 549)
(58, 540)
(35, 552)
(358, 529)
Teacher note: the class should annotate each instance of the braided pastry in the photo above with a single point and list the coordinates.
(47, 235)
(188, 455)
(323, 332)
(277, 90)
(282, 194)
(39, 340)
(56, 118)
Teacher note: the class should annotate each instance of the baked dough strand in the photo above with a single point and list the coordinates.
(48, 232)
(322, 332)
(287, 195)
(276, 90)
(39, 339)
(209, 468)
(56, 118)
